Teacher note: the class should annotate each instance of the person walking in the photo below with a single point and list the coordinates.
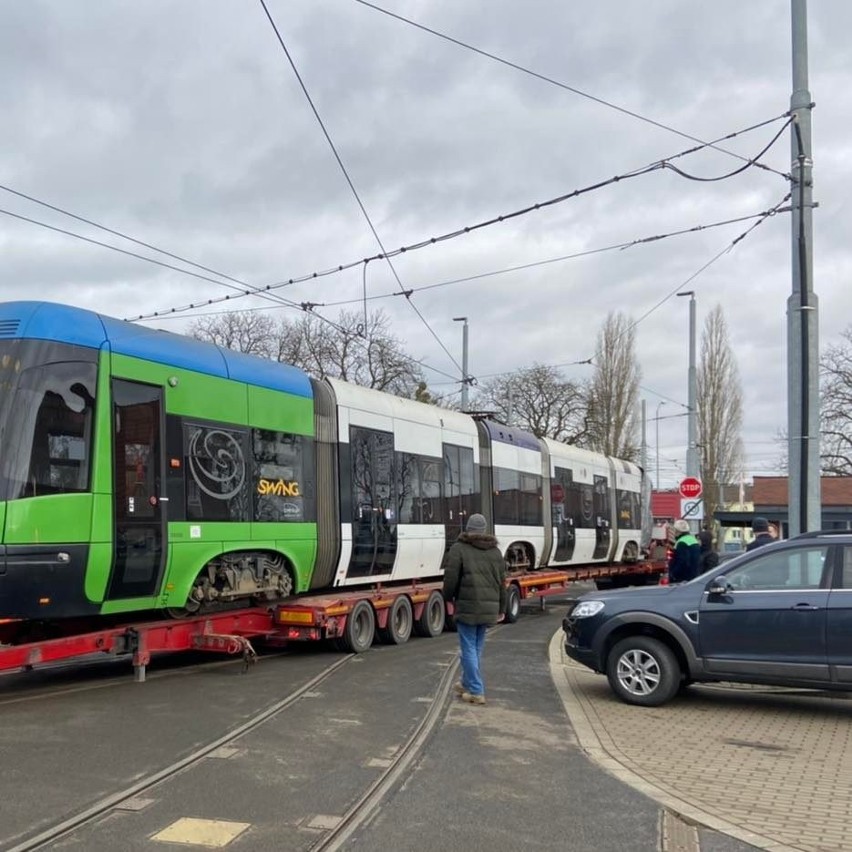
(760, 528)
(474, 581)
(686, 559)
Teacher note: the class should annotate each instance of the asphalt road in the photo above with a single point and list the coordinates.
(505, 776)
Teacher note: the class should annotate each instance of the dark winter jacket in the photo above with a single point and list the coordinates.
(709, 557)
(759, 540)
(686, 560)
(474, 579)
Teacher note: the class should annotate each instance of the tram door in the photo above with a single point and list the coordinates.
(603, 520)
(139, 536)
(374, 521)
(566, 536)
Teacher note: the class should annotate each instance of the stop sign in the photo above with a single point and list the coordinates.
(690, 487)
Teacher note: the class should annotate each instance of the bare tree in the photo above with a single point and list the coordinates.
(345, 349)
(614, 390)
(251, 332)
(720, 411)
(538, 400)
(836, 408)
(371, 356)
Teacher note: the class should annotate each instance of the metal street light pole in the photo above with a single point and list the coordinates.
(465, 379)
(657, 418)
(804, 489)
(692, 420)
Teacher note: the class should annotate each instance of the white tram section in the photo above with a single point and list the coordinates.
(595, 507)
(394, 514)
(516, 494)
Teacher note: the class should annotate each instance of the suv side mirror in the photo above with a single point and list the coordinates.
(718, 585)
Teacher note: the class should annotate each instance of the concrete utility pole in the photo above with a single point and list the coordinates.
(804, 498)
(660, 404)
(465, 377)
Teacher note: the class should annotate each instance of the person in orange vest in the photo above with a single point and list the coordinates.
(686, 559)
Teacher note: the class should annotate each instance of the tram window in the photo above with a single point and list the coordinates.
(507, 485)
(430, 491)
(283, 477)
(531, 500)
(51, 423)
(216, 474)
(408, 489)
(629, 516)
(418, 489)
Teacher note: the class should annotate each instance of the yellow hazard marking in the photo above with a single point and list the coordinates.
(213, 833)
(287, 616)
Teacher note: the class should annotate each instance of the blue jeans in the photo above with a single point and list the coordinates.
(471, 642)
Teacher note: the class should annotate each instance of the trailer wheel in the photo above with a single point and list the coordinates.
(433, 617)
(360, 629)
(400, 618)
(513, 604)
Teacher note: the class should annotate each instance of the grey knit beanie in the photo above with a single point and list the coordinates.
(476, 523)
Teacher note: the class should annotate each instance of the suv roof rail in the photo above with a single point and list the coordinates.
(819, 534)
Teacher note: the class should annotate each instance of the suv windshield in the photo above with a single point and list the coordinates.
(47, 398)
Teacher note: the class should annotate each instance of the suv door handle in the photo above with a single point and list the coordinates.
(803, 607)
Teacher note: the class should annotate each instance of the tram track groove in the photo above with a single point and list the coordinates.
(116, 680)
(370, 801)
(110, 802)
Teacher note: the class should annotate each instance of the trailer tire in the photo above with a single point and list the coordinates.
(360, 629)
(397, 630)
(513, 604)
(433, 617)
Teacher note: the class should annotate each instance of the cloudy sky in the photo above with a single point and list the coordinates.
(184, 125)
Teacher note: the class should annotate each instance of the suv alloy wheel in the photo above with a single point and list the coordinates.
(642, 670)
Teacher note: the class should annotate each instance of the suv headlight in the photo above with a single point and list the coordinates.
(586, 609)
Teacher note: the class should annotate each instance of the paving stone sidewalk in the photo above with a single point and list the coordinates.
(771, 767)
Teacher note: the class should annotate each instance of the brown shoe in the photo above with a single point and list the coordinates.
(458, 688)
(473, 699)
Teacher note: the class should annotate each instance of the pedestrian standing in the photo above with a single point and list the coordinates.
(686, 559)
(474, 581)
(760, 527)
(709, 557)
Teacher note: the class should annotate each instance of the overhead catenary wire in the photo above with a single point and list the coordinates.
(278, 300)
(450, 235)
(509, 269)
(349, 181)
(565, 86)
(772, 211)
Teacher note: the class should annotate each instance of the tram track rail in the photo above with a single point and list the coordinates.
(106, 680)
(371, 800)
(99, 808)
(359, 812)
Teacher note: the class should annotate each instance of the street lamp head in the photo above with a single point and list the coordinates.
(459, 319)
(687, 293)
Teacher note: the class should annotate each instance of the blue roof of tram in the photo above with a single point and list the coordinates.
(511, 435)
(65, 324)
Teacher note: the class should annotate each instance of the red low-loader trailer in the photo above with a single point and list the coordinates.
(223, 632)
(353, 618)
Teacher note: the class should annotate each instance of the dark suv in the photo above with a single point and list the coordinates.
(780, 615)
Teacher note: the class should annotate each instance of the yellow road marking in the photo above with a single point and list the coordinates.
(213, 833)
